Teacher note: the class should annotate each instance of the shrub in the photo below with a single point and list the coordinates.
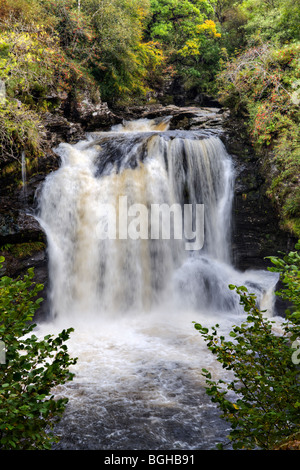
(32, 367)
(19, 130)
(262, 401)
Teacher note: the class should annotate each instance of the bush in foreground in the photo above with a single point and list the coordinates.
(29, 369)
(262, 401)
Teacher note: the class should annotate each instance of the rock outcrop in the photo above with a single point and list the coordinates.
(255, 233)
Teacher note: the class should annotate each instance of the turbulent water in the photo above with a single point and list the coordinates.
(131, 290)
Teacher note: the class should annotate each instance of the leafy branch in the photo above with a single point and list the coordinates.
(32, 369)
(264, 398)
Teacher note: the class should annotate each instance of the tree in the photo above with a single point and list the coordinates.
(32, 368)
(189, 37)
(232, 19)
(264, 397)
(125, 56)
(275, 20)
(105, 38)
(176, 22)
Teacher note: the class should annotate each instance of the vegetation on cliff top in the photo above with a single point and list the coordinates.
(261, 86)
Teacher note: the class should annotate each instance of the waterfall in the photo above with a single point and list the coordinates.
(147, 167)
(138, 223)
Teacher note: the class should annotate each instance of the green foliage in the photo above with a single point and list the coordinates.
(127, 60)
(33, 65)
(189, 38)
(232, 20)
(262, 401)
(22, 250)
(177, 22)
(262, 85)
(32, 368)
(106, 38)
(19, 130)
(33, 70)
(113, 41)
(276, 20)
(289, 268)
(20, 14)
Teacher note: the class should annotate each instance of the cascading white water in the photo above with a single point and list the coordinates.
(132, 300)
(93, 275)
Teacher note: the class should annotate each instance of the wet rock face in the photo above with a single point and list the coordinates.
(255, 222)
(181, 118)
(255, 231)
(22, 242)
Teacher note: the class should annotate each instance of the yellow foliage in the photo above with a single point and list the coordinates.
(152, 54)
(191, 47)
(208, 26)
